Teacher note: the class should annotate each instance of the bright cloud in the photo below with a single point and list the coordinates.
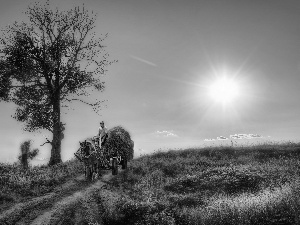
(236, 137)
(211, 139)
(221, 138)
(165, 133)
(245, 136)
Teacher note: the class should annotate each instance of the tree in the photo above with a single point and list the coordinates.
(49, 62)
(27, 153)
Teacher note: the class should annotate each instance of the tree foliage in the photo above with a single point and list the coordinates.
(49, 62)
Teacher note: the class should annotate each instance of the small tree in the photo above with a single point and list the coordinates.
(52, 60)
(27, 153)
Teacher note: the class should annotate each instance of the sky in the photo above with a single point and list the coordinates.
(170, 53)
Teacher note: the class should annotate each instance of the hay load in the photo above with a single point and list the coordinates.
(117, 150)
(119, 142)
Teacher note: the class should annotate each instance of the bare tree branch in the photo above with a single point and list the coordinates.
(47, 142)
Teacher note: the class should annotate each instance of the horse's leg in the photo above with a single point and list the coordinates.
(98, 167)
(95, 169)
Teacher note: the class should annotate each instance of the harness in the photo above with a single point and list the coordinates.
(90, 153)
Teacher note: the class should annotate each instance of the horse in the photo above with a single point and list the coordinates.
(88, 154)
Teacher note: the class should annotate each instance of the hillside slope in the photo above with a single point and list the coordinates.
(209, 186)
(215, 185)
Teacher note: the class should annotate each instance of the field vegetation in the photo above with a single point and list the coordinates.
(18, 184)
(214, 185)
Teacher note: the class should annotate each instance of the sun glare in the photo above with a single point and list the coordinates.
(224, 90)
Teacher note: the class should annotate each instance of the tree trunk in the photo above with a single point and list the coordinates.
(57, 136)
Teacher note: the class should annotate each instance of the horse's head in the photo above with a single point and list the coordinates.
(82, 144)
(85, 148)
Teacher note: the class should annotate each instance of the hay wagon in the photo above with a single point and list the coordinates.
(117, 151)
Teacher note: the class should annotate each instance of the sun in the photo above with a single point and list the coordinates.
(224, 90)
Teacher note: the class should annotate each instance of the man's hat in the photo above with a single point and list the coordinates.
(102, 122)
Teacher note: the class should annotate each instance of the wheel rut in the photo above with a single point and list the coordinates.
(50, 208)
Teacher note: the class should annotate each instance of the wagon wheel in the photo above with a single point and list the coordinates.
(119, 158)
(124, 162)
(114, 166)
(99, 168)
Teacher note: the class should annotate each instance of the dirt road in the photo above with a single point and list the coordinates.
(53, 207)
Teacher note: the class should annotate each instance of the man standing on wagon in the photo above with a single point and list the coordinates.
(102, 134)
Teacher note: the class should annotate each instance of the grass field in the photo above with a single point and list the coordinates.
(213, 185)
(17, 185)
(221, 185)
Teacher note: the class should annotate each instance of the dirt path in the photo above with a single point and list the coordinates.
(50, 208)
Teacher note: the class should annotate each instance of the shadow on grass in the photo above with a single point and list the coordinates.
(218, 181)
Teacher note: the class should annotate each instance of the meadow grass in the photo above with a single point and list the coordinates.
(17, 184)
(218, 185)
(214, 185)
